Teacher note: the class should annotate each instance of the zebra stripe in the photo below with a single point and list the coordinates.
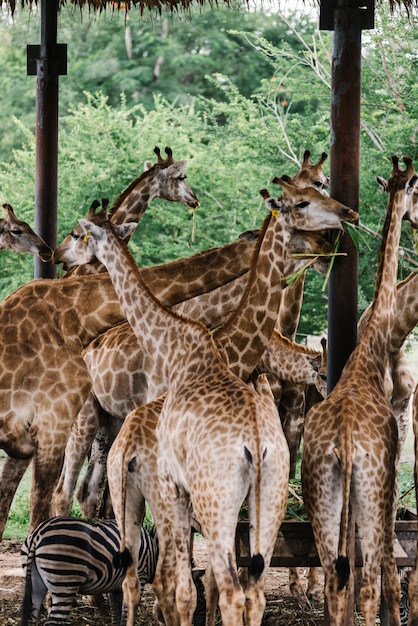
(67, 556)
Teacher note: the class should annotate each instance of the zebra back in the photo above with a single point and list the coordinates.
(78, 556)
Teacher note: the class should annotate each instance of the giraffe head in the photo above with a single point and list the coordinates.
(311, 174)
(164, 179)
(404, 180)
(78, 248)
(19, 236)
(305, 208)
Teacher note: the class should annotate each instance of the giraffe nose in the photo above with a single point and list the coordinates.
(350, 215)
(194, 204)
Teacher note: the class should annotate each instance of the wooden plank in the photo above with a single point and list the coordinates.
(295, 545)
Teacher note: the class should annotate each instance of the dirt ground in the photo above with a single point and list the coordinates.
(281, 608)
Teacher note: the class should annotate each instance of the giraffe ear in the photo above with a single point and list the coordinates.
(175, 169)
(382, 182)
(124, 231)
(147, 166)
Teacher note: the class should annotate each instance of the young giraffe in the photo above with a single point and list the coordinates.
(179, 380)
(350, 442)
(19, 236)
(165, 179)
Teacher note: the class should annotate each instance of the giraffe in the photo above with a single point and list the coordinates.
(18, 236)
(164, 179)
(133, 478)
(350, 441)
(44, 378)
(75, 256)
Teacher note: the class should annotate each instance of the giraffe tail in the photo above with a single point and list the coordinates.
(119, 452)
(256, 567)
(345, 455)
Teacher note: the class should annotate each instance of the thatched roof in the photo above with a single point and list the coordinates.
(101, 5)
(173, 5)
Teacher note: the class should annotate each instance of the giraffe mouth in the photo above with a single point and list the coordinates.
(46, 256)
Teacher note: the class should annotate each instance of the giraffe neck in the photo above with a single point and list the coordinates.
(244, 336)
(377, 334)
(132, 203)
(290, 308)
(406, 311)
(164, 334)
(202, 272)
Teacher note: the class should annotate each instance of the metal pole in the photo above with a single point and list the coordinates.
(346, 18)
(47, 61)
(344, 176)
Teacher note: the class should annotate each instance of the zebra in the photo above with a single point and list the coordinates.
(67, 556)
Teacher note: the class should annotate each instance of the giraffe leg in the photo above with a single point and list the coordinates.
(11, 475)
(164, 584)
(313, 591)
(78, 445)
(131, 587)
(413, 595)
(337, 599)
(231, 594)
(212, 596)
(45, 472)
(390, 582)
(292, 414)
(186, 596)
(296, 588)
(92, 492)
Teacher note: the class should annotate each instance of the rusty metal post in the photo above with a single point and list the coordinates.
(46, 61)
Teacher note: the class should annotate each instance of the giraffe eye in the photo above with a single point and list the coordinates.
(75, 236)
(16, 231)
(182, 177)
(302, 204)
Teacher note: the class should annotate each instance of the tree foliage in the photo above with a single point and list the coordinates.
(240, 95)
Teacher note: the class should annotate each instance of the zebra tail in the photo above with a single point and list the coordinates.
(27, 596)
(27, 602)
